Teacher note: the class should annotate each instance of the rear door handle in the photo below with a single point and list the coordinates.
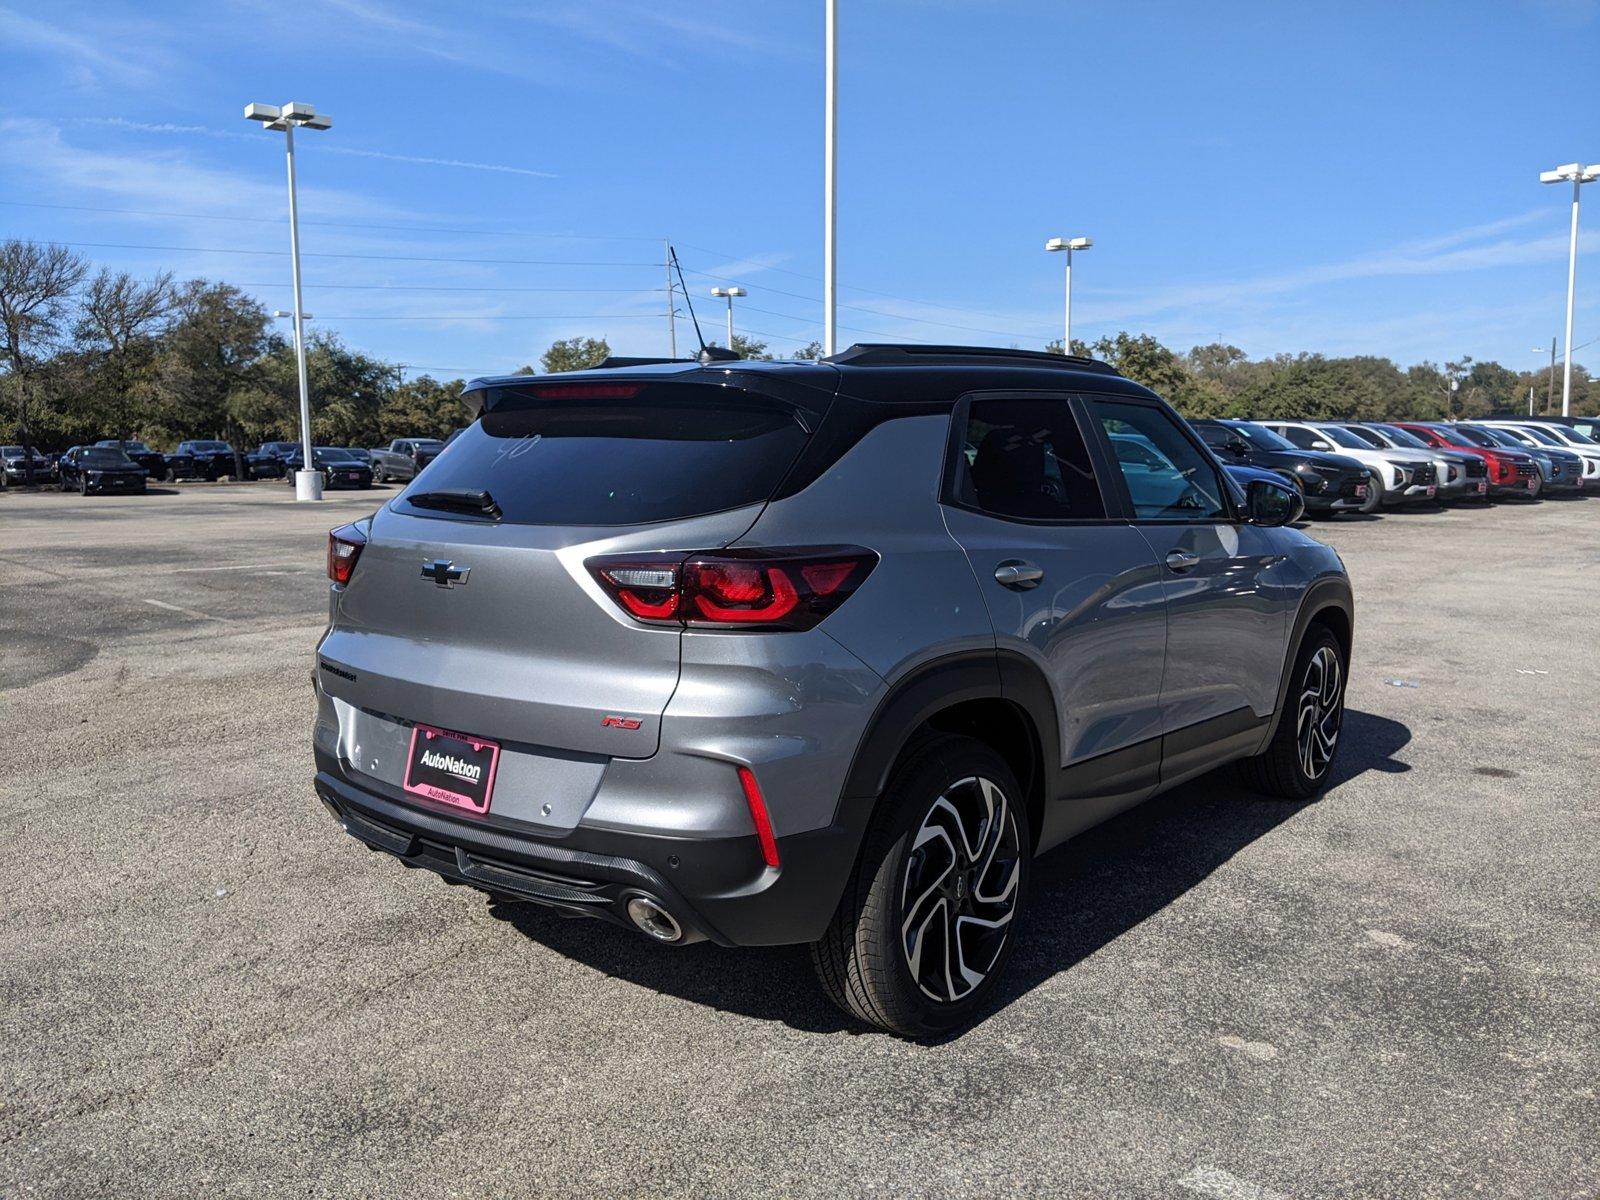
(1018, 575)
(1179, 561)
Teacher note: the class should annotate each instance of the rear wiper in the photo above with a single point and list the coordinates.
(465, 500)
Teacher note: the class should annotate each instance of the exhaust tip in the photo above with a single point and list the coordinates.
(654, 920)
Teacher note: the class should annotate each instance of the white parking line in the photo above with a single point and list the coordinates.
(188, 612)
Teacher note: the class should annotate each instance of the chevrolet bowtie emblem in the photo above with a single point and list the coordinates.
(444, 572)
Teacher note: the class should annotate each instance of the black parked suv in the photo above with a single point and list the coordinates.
(213, 460)
(1331, 482)
(99, 469)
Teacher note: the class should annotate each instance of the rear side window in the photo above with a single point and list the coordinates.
(1025, 460)
(635, 461)
(1168, 477)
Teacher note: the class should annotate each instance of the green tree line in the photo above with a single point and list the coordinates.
(88, 353)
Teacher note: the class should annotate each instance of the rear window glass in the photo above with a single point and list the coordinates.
(619, 462)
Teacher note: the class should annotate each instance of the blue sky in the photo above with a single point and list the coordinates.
(1350, 178)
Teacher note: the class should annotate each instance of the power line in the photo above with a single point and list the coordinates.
(505, 262)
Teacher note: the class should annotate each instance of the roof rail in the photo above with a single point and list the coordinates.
(885, 353)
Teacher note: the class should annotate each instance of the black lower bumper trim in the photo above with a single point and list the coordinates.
(716, 888)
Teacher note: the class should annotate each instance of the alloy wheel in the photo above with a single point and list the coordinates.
(1320, 712)
(959, 890)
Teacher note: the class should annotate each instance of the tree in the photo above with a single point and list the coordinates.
(1081, 349)
(117, 330)
(36, 283)
(810, 352)
(422, 407)
(575, 354)
(210, 375)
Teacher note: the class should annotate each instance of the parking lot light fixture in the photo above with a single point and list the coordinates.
(1069, 245)
(284, 119)
(729, 293)
(1577, 175)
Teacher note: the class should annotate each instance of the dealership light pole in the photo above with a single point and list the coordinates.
(729, 293)
(830, 104)
(307, 482)
(1069, 245)
(1578, 175)
(1550, 384)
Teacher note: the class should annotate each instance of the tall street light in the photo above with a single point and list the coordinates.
(1578, 175)
(830, 106)
(729, 293)
(1550, 383)
(307, 482)
(1069, 245)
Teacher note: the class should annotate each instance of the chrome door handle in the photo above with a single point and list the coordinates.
(1180, 561)
(1019, 575)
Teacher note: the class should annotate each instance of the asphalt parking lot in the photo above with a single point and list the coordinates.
(209, 989)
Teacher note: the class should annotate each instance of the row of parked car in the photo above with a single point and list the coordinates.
(1359, 466)
(126, 465)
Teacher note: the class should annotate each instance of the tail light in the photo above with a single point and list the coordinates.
(785, 589)
(344, 547)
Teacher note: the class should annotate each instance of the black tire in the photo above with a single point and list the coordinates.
(83, 485)
(1291, 768)
(865, 959)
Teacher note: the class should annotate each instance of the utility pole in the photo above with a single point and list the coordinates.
(672, 299)
(1550, 389)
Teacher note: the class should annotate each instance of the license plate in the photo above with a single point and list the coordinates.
(351, 476)
(1432, 488)
(1361, 491)
(1483, 487)
(452, 768)
(1533, 485)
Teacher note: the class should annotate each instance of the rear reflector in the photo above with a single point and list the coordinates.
(344, 547)
(758, 814)
(781, 589)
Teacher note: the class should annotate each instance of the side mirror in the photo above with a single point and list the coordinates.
(1239, 449)
(1271, 504)
(1319, 444)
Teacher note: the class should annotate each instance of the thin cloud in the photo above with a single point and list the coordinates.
(323, 147)
(90, 62)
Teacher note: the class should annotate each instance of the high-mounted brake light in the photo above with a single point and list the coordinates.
(344, 547)
(586, 391)
(782, 589)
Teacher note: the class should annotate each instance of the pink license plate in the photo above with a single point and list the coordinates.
(451, 768)
(1533, 485)
(1361, 491)
(1482, 487)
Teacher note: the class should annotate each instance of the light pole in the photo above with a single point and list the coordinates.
(730, 293)
(1578, 175)
(830, 105)
(1550, 383)
(307, 482)
(1069, 245)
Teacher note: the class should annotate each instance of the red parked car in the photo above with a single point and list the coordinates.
(1511, 472)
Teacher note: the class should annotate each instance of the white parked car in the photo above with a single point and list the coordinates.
(1461, 476)
(1406, 477)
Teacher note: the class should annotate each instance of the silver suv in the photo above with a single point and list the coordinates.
(816, 652)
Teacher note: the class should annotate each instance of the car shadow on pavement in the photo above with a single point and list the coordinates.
(1085, 894)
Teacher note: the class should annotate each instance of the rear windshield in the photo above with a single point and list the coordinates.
(619, 462)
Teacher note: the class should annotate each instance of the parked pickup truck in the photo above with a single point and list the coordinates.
(403, 458)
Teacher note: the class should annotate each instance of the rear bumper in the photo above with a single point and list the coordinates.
(718, 889)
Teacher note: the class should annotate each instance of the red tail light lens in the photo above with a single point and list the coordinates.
(344, 547)
(785, 589)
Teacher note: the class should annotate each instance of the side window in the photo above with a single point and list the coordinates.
(1303, 438)
(1027, 460)
(1167, 476)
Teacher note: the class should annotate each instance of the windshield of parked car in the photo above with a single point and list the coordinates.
(104, 456)
(10, 450)
(1341, 437)
(1260, 436)
(328, 454)
(212, 447)
(1538, 435)
(1580, 437)
(1473, 437)
(1368, 436)
(1403, 437)
(1504, 437)
(427, 443)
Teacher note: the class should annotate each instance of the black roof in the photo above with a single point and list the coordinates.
(916, 375)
